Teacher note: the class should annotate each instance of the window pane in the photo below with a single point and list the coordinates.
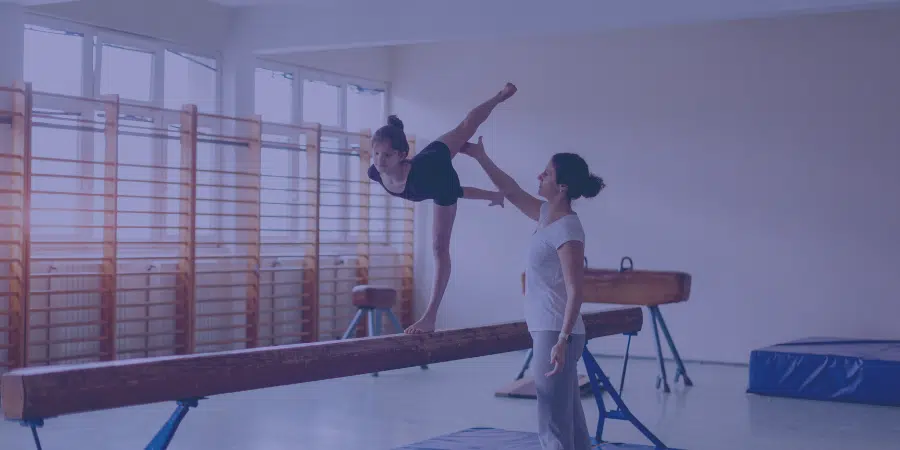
(320, 103)
(190, 79)
(127, 72)
(365, 108)
(136, 158)
(331, 161)
(53, 60)
(274, 95)
(277, 197)
(53, 194)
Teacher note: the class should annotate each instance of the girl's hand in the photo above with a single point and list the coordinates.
(498, 200)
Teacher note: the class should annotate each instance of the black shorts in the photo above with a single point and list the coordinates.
(433, 175)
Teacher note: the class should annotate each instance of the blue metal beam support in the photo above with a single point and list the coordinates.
(600, 383)
(165, 434)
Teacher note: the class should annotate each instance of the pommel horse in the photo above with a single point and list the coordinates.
(625, 286)
(32, 395)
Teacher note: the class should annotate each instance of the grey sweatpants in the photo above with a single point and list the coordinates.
(561, 422)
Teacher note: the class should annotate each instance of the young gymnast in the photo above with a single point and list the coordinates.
(429, 175)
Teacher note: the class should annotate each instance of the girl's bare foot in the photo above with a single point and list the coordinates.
(508, 91)
(424, 325)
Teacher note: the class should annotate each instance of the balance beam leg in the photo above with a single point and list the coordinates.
(164, 436)
(680, 371)
(599, 383)
(34, 425)
(662, 379)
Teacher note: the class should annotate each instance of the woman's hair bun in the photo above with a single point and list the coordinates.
(395, 121)
(592, 186)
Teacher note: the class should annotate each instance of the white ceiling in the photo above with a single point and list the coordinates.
(284, 26)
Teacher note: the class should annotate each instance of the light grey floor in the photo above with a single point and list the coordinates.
(405, 406)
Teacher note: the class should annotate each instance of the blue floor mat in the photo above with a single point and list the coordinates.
(496, 439)
(839, 370)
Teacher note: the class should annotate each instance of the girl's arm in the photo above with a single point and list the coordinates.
(474, 193)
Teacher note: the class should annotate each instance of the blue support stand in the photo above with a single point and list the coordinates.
(160, 441)
(374, 316)
(165, 434)
(600, 383)
(34, 425)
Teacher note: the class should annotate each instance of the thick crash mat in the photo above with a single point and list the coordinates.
(831, 369)
(496, 439)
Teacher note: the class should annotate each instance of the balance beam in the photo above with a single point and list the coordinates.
(625, 286)
(38, 393)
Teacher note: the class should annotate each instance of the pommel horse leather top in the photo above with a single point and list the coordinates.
(44, 392)
(634, 287)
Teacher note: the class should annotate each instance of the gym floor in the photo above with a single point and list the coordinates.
(405, 406)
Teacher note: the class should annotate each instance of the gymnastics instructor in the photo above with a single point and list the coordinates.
(553, 289)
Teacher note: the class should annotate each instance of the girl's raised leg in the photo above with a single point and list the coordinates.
(457, 137)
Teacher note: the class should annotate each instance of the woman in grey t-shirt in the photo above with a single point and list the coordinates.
(553, 290)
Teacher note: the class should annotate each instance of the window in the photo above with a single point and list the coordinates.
(53, 60)
(53, 63)
(285, 95)
(190, 79)
(127, 72)
(321, 103)
(280, 170)
(59, 60)
(55, 189)
(274, 96)
(365, 108)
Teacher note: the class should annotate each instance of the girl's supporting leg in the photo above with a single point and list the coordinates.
(473, 193)
(457, 138)
(444, 216)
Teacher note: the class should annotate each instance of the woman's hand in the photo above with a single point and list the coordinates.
(558, 357)
(474, 150)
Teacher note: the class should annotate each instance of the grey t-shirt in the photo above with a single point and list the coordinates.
(545, 286)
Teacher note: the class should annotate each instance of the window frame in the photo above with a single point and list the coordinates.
(93, 40)
(301, 74)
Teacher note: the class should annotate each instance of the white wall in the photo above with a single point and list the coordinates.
(762, 157)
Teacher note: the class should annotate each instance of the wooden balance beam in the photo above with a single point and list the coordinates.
(33, 394)
(42, 392)
(625, 286)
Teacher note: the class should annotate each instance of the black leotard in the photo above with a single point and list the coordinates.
(431, 177)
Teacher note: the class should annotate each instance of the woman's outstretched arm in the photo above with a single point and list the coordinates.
(457, 137)
(528, 204)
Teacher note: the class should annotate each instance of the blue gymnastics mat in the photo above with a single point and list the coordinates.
(831, 369)
(496, 439)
